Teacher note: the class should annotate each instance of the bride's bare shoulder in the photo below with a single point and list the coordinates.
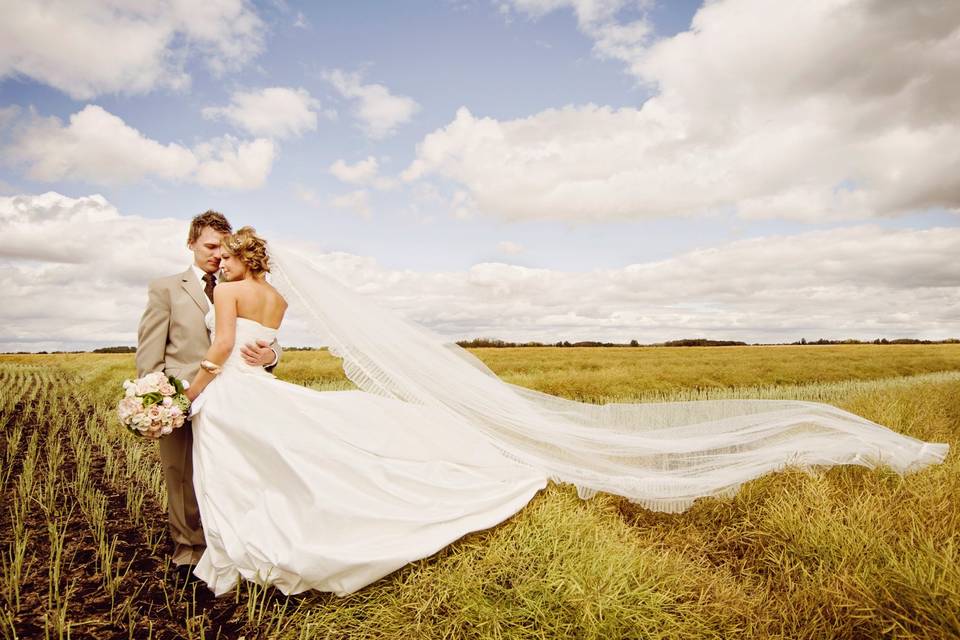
(281, 303)
(227, 289)
(277, 296)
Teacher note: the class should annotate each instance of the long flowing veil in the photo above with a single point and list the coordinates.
(662, 455)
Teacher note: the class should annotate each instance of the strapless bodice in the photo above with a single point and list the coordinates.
(248, 332)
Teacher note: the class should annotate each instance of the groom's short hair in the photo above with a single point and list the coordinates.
(208, 218)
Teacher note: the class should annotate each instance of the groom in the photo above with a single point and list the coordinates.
(173, 338)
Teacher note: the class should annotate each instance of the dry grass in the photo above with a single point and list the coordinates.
(847, 553)
(596, 374)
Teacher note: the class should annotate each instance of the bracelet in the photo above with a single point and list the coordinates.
(214, 369)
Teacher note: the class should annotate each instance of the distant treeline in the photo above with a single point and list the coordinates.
(498, 344)
(687, 342)
(879, 341)
(39, 353)
(128, 349)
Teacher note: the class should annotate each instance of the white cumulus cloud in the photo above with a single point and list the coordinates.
(274, 112)
(98, 147)
(357, 201)
(359, 172)
(78, 269)
(363, 172)
(378, 110)
(812, 111)
(229, 163)
(615, 39)
(86, 48)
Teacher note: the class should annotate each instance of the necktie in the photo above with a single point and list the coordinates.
(211, 283)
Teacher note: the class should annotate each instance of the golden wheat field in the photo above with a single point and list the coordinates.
(845, 553)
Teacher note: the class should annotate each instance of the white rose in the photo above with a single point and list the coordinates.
(145, 386)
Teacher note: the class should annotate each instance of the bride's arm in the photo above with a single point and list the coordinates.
(225, 304)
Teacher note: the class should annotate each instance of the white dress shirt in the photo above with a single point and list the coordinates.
(200, 275)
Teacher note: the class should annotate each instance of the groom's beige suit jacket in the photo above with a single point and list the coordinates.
(173, 338)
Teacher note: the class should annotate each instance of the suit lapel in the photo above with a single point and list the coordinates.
(192, 287)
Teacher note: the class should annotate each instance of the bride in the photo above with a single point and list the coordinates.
(333, 490)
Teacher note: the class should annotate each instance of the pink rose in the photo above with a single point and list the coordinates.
(127, 408)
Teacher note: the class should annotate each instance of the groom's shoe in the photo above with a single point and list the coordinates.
(184, 574)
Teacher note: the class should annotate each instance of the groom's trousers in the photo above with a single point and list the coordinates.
(172, 337)
(176, 456)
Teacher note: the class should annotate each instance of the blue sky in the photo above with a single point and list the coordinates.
(567, 136)
(444, 55)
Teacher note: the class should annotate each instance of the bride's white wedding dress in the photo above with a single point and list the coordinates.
(333, 490)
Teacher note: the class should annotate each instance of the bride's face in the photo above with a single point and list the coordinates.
(231, 267)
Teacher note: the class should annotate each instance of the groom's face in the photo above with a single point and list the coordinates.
(206, 249)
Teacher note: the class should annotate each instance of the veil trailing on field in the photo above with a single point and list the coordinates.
(662, 456)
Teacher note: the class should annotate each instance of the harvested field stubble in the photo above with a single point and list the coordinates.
(848, 552)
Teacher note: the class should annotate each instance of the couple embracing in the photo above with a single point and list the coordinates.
(173, 338)
(293, 487)
(300, 489)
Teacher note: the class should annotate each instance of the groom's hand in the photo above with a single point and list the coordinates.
(259, 354)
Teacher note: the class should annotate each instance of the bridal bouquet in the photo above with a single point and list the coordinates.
(153, 405)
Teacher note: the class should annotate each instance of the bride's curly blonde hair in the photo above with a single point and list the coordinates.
(249, 248)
